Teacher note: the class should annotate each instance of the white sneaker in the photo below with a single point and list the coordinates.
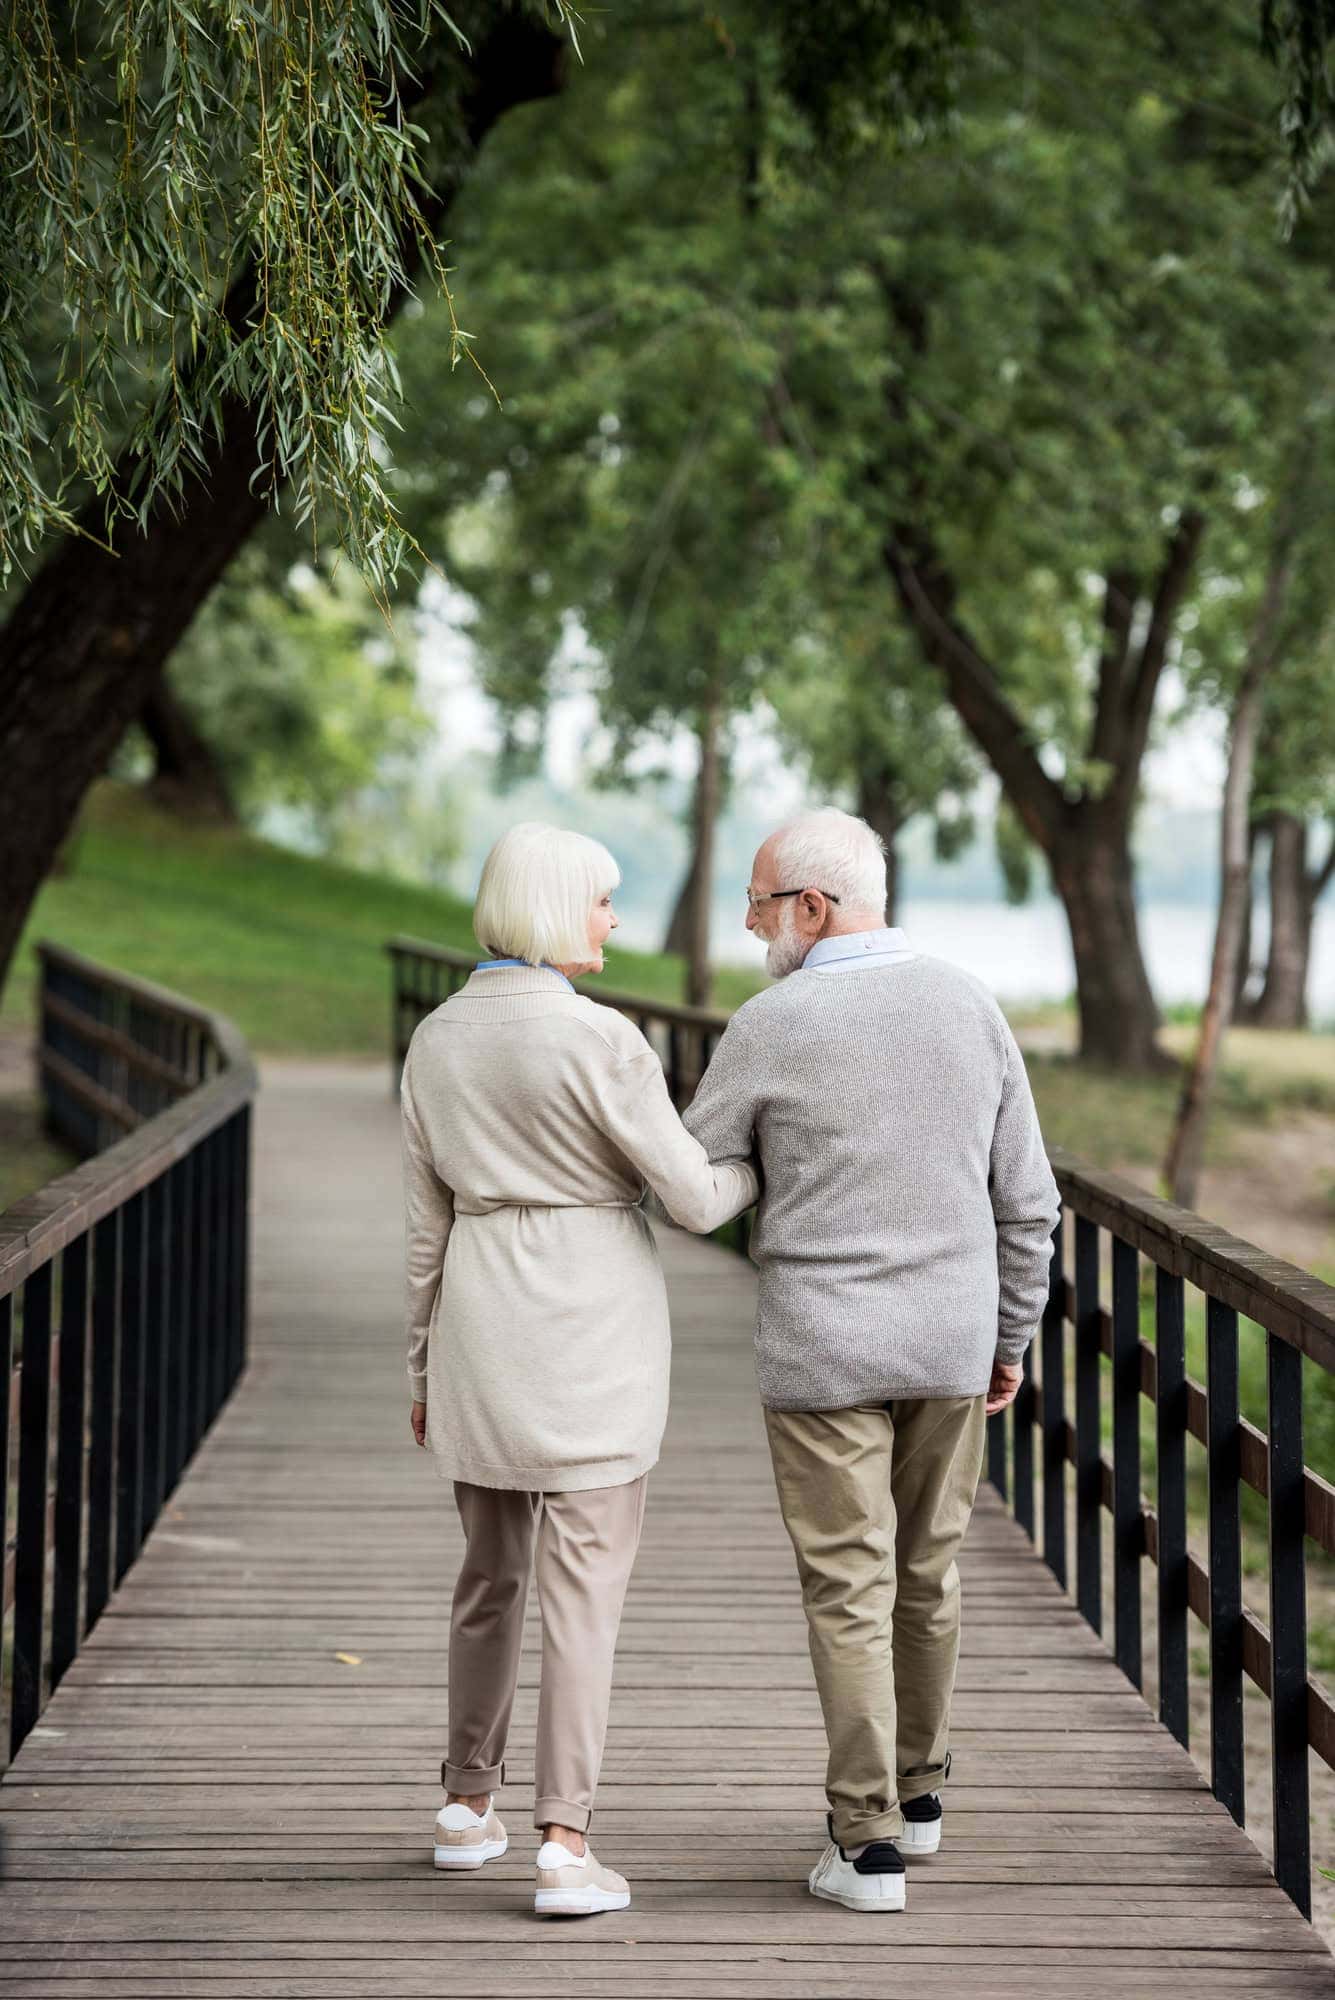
(922, 1825)
(465, 1839)
(576, 1885)
(872, 1880)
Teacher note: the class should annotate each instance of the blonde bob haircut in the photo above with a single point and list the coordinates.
(537, 891)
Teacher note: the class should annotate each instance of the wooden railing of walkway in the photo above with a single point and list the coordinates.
(1031, 1445)
(122, 1300)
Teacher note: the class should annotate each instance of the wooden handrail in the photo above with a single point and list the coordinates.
(1281, 1297)
(34, 1229)
(126, 1281)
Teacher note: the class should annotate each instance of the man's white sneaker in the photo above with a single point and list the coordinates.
(576, 1885)
(922, 1825)
(872, 1880)
(465, 1839)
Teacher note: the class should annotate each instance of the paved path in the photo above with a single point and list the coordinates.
(232, 1792)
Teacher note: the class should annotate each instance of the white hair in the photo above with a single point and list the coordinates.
(832, 851)
(536, 893)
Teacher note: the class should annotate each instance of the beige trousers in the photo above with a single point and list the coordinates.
(876, 1500)
(585, 1545)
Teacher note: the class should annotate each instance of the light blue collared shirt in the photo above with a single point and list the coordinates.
(490, 965)
(858, 948)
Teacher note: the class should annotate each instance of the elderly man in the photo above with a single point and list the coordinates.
(902, 1242)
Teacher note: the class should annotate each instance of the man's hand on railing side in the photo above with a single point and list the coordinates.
(417, 1418)
(1006, 1379)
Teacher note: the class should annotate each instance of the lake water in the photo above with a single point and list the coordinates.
(1025, 953)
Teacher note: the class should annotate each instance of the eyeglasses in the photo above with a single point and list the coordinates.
(753, 901)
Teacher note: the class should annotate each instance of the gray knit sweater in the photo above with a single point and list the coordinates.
(904, 1231)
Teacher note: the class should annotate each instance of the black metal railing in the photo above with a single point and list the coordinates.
(425, 974)
(1040, 1449)
(123, 1300)
(1094, 1315)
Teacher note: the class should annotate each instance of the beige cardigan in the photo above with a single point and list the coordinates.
(537, 1315)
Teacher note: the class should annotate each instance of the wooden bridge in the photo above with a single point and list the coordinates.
(230, 1790)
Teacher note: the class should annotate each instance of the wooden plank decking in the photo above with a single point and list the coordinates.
(217, 1803)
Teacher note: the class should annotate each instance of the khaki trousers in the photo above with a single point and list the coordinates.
(585, 1546)
(876, 1500)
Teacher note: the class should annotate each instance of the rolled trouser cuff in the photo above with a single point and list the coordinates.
(472, 1780)
(922, 1779)
(852, 1831)
(561, 1812)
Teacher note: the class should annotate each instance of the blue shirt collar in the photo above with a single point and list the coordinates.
(491, 965)
(858, 947)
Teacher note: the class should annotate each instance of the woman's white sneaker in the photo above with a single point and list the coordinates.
(922, 1825)
(870, 1879)
(576, 1885)
(465, 1839)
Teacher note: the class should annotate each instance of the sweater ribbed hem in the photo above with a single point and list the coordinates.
(907, 1392)
(547, 1478)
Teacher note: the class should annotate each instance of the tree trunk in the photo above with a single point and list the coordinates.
(1086, 839)
(187, 777)
(1283, 997)
(1186, 1145)
(677, 939)
(1242, 1007)
(688, 931)
(876, 804)
(1093, 874)
(91, 633)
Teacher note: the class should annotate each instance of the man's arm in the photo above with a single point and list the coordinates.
(1025, 1205)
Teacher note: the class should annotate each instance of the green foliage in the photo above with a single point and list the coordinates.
(1087, 324)
(645, 507)
(1295, 765)
(1043, 327)
(306, 695)
(857, 708)
(1298, 36)
(860, 68)
(207, 205)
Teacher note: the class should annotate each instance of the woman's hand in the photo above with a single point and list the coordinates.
(417, 1418)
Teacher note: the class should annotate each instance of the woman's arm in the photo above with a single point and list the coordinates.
(641, 1118)
(428, 1218)
(722, 1113)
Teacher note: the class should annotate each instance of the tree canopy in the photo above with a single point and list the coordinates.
(1030, 360)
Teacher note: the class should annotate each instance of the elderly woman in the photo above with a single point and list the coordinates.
(538, 1342)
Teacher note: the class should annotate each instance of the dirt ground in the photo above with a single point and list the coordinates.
(1281, 1194)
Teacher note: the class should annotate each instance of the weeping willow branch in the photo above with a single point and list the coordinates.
(158, 150)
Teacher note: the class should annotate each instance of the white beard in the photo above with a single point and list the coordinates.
(786, 950)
